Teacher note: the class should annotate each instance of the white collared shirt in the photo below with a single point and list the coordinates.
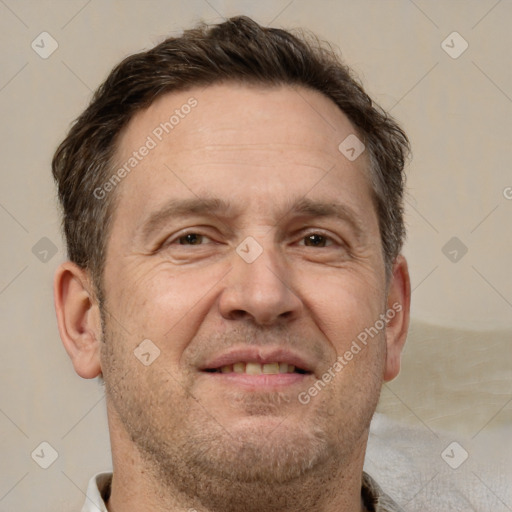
(98, 491)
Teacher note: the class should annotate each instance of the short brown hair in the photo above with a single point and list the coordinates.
(237, 50)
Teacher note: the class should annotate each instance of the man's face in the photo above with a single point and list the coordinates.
(247, 170)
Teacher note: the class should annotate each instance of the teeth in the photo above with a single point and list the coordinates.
(239, 368)
(258, 369)
(253, 368)
(271, 368)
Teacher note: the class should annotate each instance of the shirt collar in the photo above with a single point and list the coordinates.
(98, 492)
(374, 497)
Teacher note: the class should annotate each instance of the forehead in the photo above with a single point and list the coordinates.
(251, 114)
(250, 143)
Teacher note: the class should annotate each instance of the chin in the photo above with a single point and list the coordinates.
(266, 449)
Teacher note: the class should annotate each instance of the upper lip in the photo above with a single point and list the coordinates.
(258, 355)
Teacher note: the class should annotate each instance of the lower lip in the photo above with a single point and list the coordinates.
(261, 382)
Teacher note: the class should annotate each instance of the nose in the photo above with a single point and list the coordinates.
(260, 291)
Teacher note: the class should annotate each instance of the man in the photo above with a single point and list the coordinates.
(233, 214)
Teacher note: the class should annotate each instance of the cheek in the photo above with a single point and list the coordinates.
(164, 303)
(343, 304)
(149, 400)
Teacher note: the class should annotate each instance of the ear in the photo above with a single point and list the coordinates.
(78, 318)
(399, 302)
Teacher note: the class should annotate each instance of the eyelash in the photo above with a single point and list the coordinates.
(330, 239)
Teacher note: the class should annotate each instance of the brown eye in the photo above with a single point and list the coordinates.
(190, 239)
(315, 240)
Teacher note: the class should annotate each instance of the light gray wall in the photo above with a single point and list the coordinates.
(457, 112)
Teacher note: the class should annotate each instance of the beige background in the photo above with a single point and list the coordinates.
(456, 384)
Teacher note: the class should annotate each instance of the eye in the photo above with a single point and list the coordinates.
(317, 240)
(189, 239)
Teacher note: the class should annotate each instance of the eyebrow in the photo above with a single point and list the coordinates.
(331, 209)
(221, 209)
(179, 208)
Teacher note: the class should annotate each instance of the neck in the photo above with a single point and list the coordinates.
(139, 484)
(130, 496)
(136, 486)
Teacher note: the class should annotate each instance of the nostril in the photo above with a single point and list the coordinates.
(238, 314)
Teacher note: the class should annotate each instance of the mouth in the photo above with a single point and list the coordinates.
(254, 369)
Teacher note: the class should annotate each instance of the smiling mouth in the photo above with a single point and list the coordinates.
(254, 368)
